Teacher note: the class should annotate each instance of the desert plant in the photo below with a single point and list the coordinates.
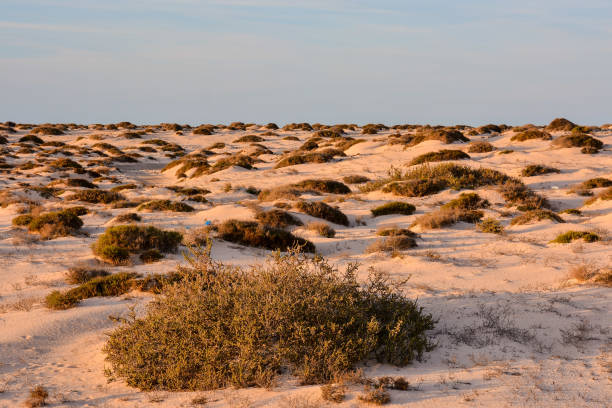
(393, 207)
(165, 205)
(319, 209)
(37, 397)
(150, 256)
(480, 147)
(333, 392)
(597, 182)
(604, 195)
(517, 193)
(127, 217)
(444, 135)
(355, 179)
(81, 274)
(467, 201)
(322, 186)
(537, 169)
(323, 156)
(442, 155)
(560, 124)
(447, 216)
(95, 196)
(249, 138)
(22, 220)
(277, 218)
(572, 211)
(535, 215)
(570, 236)
(591, 144)
(55, 224)
(250, 233)
(491, 225)
(222, 325)
(376, 396)
(392, 243)
(529, 134)
(322, 228)
(117, 242)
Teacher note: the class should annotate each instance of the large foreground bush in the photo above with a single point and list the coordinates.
(221, 326)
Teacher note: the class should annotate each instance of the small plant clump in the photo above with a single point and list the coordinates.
(535, 215)
(442, 155)
(480, 147)
(376, 396)
(117, 243)
(322, 228)
(393, 207)
(529, 134)
(96, 196)
(322, 186)
(570, 236)
(588, 143)
(355, 179)
(165, 205)
(538, 169)
(277, 218)
(37, 397)
(491, 225)
(447, 216)
(319, 209)
(604, 195)
(222, 325)
(55, 224)
(333, 392)
(467, 201)
(253, 234)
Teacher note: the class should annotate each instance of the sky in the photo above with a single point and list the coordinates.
(337, 61)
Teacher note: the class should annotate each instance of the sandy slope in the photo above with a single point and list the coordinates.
(512, 330)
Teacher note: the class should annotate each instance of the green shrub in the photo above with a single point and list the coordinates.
(447, 216)
(321, 228)
(322, 186)
(530, 134)
(253, 234)
(55, 224)
(393, 207)
(165, 205)
(491, 225)
(110, 285)
(355, 179)
(22, 220)
(467, 201)
(117, 242)
(480, 147)
(537, 169)
(151, 255)
(442, 155)
(277, 218)
(224, 326)
(319, 209)
(95, 196)
(535, 215)
(570, 236)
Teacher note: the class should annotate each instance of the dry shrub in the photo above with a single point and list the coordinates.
(165, 205)
(444, 135)
(560, 124)
(38, 397)
(323, 156)
(321, 228)
(467, 201)
(319, 209)
(604, 195)
(277, 218)
(393, 207)
(491, 225)
(376, 396)
(442, 155)
(81, 274)
(333, 392)
(517, 193)
(355, 179)
(127, 218)
(480, 147)
(392, 244)
(250, 233)
(447, 216)
(538, 169)
(529, 134)
(222, 325)
(535, 215)
(322, 186)
(55, 224)
(588, 143)
(240, 160)
(95, 196)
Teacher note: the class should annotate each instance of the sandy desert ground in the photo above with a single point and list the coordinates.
(521, 321)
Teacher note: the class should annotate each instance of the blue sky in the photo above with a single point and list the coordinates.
(389, 61)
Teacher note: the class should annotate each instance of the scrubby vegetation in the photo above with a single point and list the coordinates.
(277, 218)
(467, 201)
(117, 243)
(213, 328)
(355, 179)
(444, 135)
(322, 186)
(322, 228)
(537, 169)
(529, 134)
(604, 195)
(442, 155)
(250, 233)
(560, 124)
(319, 209)
(165, 205)
(535, 215)
(517, 193)
(480, 147)
(323, 156)
(491, 225)
(95, 196)
(570, 236)
(588, 143)
(392, 243)
(393, 207)
(445, 217)
(52, 224)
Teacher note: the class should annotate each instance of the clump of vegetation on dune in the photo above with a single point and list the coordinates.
(321, 228)
(165, 205)
(117, 243)
(445, 135)
(355, 179)
(480, 147)
(239, 160)
(517, 193)
(277, 218)
(535, 215)
(197, 161)
(444, 217)
(570, 236)
(588, 143)
(538, 169)
(597, 182)
(467, 201)
(442, 155)
(221, 325)
(319, 209)
(54, 224)
(491, 225)
(292, 191)
(254, 234)
(249, 139)
(393, 207)
(560, 124)
(392, 243)
(604, 195)
(96, 196)
(531, 133)
(322, 156)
